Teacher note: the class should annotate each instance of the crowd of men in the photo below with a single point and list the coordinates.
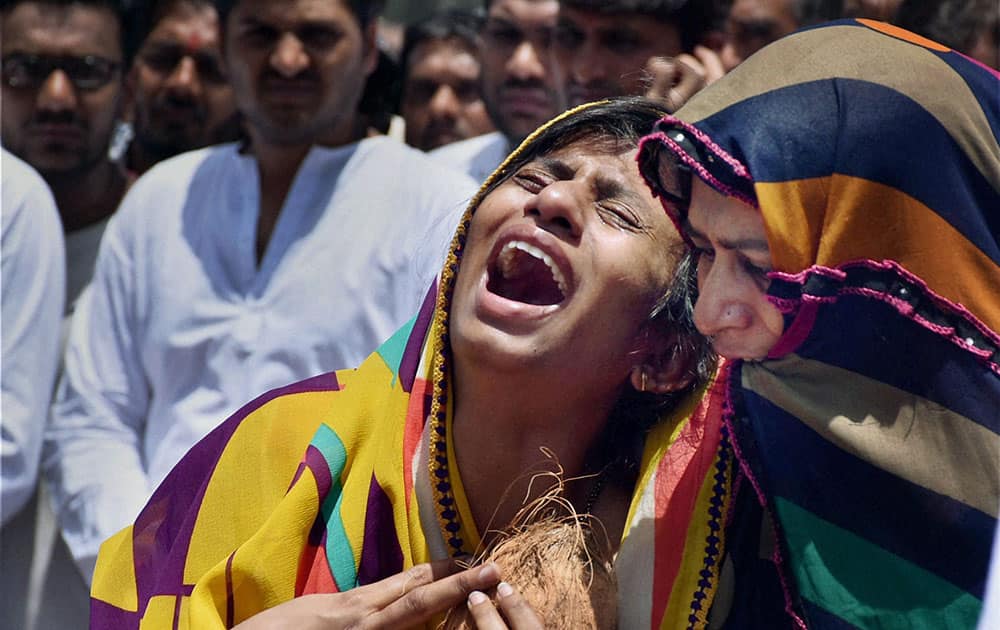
(237, 211)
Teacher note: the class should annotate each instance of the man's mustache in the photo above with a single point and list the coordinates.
(57, 117)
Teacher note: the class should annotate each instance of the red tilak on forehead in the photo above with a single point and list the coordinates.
(194, 43)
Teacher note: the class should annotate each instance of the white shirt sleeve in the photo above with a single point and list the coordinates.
(32, 294)
(93, 446)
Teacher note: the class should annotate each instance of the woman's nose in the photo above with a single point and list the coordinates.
(558, 208)
(720, 305)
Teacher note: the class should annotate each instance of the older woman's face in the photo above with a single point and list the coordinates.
(564, 263)
(733, 263)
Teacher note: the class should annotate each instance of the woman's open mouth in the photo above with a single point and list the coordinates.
(522, 272)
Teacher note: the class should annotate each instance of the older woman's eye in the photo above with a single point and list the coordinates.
(757, 273)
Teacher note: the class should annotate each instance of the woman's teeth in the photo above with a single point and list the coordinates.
(507, 261)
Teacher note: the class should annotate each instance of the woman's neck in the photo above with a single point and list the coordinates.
(499, 431)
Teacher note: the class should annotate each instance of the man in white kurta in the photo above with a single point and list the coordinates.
(181, 326)
(32, 292)
(236, 269)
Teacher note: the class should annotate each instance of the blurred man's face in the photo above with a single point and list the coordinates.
(601, 55)
(298, 68)
(61, 85)
(181, 99)
(753, 24)
(518, 83)
(441, 97)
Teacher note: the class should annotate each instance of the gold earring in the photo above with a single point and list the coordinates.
(642, 381)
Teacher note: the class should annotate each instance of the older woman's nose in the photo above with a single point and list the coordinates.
(720, 305)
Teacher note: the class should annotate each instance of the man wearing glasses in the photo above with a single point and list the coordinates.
(63, 67)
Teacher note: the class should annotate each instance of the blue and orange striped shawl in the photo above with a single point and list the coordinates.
(870, 434)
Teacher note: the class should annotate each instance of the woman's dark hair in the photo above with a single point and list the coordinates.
(613, 125)
(616, 125)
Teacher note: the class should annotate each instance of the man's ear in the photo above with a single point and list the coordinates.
(370, 36)
(129, 89)
(666, 366)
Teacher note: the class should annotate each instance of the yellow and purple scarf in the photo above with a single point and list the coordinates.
(325, 485)
(869, 436)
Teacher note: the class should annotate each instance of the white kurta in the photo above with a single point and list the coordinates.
(32, 294)
(478, 156)
(181, 327)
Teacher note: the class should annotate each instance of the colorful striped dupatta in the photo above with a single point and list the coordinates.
(870, 434)
(325, 485)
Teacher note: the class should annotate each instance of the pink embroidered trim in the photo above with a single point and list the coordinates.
(796, 333)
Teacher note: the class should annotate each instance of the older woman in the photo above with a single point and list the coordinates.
(840, 190)
(562, 321)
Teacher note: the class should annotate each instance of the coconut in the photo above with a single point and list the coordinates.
(559, 560)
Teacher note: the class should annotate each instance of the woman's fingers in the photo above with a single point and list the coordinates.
(418, 605)
(711, 62)
(484, 613)
(518, 612)
(378, 595)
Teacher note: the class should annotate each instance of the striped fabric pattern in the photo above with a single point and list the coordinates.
(873, 429)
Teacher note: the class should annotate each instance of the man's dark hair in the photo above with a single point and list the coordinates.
(458, 25)
(120, 8)
(380, 98)
(810, 12)
(693, 18)
(364, 10)
(954, 23)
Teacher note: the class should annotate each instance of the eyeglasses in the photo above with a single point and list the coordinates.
(677, 155)
(674, 174)
(90, 72)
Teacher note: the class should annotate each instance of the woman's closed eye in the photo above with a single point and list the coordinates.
(619, 215)
(758, 273)
(532, 180)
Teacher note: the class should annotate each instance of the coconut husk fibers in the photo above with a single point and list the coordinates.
(560, 562)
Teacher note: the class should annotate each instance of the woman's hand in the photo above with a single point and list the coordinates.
(514, 608)
(404, 600)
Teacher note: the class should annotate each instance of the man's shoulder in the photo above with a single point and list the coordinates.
(156, 200)
(174, 171)
(27, 200)
(21, 182)
(470, 147)
(477, 156)
(412, 169)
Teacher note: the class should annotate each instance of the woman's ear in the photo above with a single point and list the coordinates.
(666, 366)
